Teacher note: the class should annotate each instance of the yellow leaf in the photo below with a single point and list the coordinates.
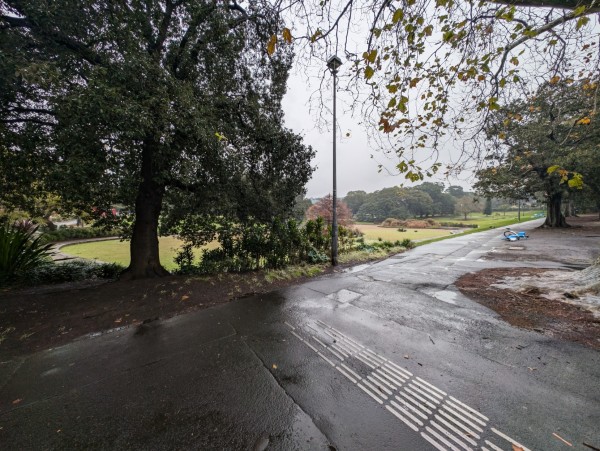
(287, 35)
(554, 80)
(584, 121)
(502, 135)
(185, 297)
(369, 72)
(271, 45)
(274, 366)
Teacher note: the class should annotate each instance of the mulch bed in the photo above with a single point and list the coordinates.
(44, 317)
(528, 309)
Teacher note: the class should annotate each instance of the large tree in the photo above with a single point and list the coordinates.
(546, 142)
(149, 103)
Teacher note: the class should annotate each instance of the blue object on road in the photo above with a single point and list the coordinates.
(511, 235)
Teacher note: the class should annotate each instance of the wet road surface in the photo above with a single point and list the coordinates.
(387, 356)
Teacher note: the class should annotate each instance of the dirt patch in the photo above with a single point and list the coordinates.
(39, 318)
(530, 307)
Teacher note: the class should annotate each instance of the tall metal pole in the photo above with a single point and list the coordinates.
(334, 226)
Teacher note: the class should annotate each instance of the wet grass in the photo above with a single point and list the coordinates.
(115, 251)
(375, 233)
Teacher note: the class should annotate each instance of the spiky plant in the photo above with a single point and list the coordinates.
(20, 251)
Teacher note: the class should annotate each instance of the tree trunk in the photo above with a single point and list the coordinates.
(554, 216)
(145, 260)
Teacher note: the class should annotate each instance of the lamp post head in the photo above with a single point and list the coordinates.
(333, 63)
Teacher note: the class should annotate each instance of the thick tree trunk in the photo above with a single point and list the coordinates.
(554, 216)
(145, 260)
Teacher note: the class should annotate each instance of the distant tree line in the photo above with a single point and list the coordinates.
(425, 200)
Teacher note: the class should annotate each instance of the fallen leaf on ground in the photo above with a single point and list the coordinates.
(406, 356)
(274, 366)
(517, 448)
(561, 439)
(184, 297)
(17, 401)
(118, 320)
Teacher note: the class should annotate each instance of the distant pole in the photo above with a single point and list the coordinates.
(519, 210)
(333, 64)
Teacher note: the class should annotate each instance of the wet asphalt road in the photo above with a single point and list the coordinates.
(383, 357)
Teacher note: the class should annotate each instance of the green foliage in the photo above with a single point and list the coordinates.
(71, 271)
(20, 252)
(253, 245)
(544, 144)
(185, 103)
(66, 234)
(407, 243)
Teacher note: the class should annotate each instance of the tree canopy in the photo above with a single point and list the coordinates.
(544, 142)
(168, 106)
(436, 69)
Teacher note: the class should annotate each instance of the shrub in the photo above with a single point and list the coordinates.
(407, 243)
(20, 251)
(71, 271)
(65, 234)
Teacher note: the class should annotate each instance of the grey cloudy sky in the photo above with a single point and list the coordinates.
(356, 170)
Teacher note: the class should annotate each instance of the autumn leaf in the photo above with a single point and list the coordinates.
(274, 366)
(315, 36)
(370, 56)
(517, 448)
(584, 121)
(554, 80)
(271, 45)
(287, 35)
(17, 401)
(185, 297)
(369, 72)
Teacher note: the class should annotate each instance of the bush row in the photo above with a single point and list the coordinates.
(71, 271)
(251, 246)
(66, 234)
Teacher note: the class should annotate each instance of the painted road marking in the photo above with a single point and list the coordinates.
(444, 421)
(507, 438)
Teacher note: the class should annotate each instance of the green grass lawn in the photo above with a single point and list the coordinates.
(115, 251)
(495, 220)
(373, 233)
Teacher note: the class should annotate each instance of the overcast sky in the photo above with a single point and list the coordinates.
(356, 170)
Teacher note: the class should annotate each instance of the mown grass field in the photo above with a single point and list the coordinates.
(115, 251)
(374, 232)
(495, 220)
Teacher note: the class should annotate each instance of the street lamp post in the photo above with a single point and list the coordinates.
(333, 65)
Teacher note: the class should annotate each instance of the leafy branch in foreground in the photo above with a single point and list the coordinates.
(435, 70)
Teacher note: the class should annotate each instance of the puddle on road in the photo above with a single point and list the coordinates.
(344, 296)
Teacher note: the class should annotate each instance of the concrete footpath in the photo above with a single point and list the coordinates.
(388, 356)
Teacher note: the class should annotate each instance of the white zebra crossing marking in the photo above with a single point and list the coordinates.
(441, 419)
